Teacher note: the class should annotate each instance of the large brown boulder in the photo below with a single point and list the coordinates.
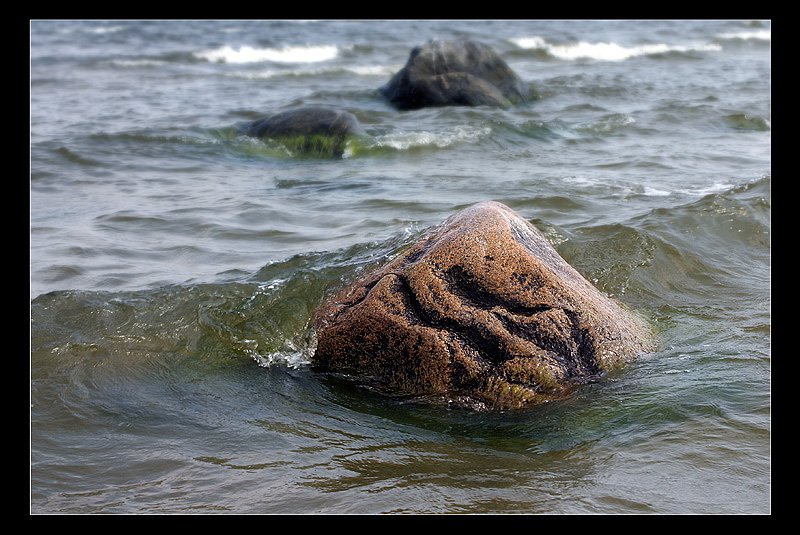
(481, 310)
(454, 73)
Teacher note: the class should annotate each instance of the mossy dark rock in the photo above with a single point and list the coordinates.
(310, 131)
(454, 73)
(481, 310)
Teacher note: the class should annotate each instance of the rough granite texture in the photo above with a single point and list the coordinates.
(483, 310)
(454, 73)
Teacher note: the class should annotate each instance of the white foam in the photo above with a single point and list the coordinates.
(655, 192)
(372, 70)
(605, 51)
(699, 191)
(530, 42)
(405, 141)
(288, 54)
(708, 190)
(289, 356)
(765, 35)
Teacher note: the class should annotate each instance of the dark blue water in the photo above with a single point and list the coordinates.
(175, 265)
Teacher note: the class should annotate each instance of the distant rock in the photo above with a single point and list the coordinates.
(312, 131)
(481, 310)
(454, 73)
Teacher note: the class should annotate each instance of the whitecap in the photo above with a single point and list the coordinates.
(287, 54)
(605, 51)
(655, 192)
(529, 42)
(372, 70)
(409, 140)
(615, 52)
(708, 190)
(765, 35)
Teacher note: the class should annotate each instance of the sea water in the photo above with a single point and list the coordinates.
(175, 265)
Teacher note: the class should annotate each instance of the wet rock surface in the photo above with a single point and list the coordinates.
(454, 73)
(481, 310)
(319, 131)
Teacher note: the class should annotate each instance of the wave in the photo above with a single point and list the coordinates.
(364, 70)
(761, 35)
(262, 316)
(287, 54)
(742, 121)
(602, 51)
(712, 249)
(407, 141)
(137, 63)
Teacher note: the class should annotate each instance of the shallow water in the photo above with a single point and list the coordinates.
(175, 266)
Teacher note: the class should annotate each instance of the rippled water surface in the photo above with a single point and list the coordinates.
(174, 265)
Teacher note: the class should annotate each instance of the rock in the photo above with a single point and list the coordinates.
(481, 310)
(314, 131)
(454, 73)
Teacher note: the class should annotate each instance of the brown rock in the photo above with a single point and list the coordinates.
(483, 309)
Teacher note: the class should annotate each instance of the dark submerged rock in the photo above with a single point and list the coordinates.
(454, 73)
(315, 131)
(481, 310)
